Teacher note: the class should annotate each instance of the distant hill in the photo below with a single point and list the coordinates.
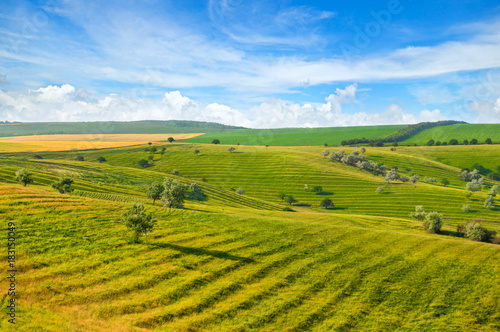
(112, 127)
(459, 132)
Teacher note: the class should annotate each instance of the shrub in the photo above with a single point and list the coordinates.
(419, 213)
(430, 180)
(170, 139)
(230, 149)
(174, 193)
(306, 187)
(143, 162)
(488, 141)
(466, 142)
(196, 152)
(404, 179)
(79, 158)
(325, 153)
(176, 172)
(488, 202)
(363, 150)
(430, 142)
(154, 191)
(215, 141)
(414, 178)
(195, 193)
(465, 208)
(162, 151)
(24, 177)
(453, 141)
(475, 231)
(433, 222)
(137, 221)
(327, 203)
(63, 185)
(391, 175)
(379, 190)
(101, 159)
(317, 189)
(473, 141)
(438, 143)
(283, 196)
(240, 191)
(154, 149)
(494, 190)
(474, 185)
(445, 181)
(290, 200)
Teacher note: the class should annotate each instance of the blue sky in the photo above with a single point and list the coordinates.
(252, 63)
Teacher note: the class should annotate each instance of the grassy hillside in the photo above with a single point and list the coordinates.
(460, 132)
(242, 271)
(111, 127)
(238, 262)
(296, 136)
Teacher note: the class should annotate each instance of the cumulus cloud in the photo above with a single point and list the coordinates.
(65, 103)
(487, 112)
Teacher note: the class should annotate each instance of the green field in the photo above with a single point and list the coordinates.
(460, 132)
(296, 136)
(111, 127)
(239, 262)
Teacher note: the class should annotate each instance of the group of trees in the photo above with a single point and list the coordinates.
(172, 193)
(454, 141)
(474, 230)
(63, 185)
(432, 221)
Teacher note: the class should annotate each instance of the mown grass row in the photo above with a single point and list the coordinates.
(268, 271)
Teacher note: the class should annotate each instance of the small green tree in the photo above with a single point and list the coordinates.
(24, 177)
(143, 162)
(419, 213)
(240, 191)
(215, 141)
(196, 152)
(154, 191)
(162, 151)
(445, 182)
(433, 222)
(290, 200)
(488, 141)
(195, 192)
(137, 221)
(379, 190)
(170, 139)
(391, 175)
(317, 189)
(414, 178)
(149, 143)
(363, 150)
(494, 190)
(431, 142)
(465, 208)
(453, 141)
(79, 158)
(473, 141)
(474, 185)
(174, 193)
(325, 153)
(282, 196)
(327, 203)
(230, 149)
(154, 149)
(488, 202)
(101, 159)
(176, 172)
(63, 185)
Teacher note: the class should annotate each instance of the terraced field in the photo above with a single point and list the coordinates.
(238, 262)
(460, 132)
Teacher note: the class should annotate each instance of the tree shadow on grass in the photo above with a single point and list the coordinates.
(324, 193)
(203, 252)
(452, 233)
(302, 204)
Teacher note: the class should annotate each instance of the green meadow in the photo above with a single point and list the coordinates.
(240, 262)
(459, 132)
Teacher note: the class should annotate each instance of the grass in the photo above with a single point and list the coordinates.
(296, 136)
(460, 132)
(237, 262)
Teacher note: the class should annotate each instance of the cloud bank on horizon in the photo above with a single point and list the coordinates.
(254, 64)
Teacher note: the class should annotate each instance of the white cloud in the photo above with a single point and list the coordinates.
(487, 112)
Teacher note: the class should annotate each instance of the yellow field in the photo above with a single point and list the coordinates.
(38, 143)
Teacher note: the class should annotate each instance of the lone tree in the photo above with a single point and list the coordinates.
(290, 200)
(240, 191)
(419, 213)
(170, 139)
(154, 191)
(445, 182)
(143, 162)
(380, 190)
(327, 203)
(476, 232)
(137, 220)
(215, 141)
(363, 150)
(24, 177)
(391, 175)
(174, 193)
(230, 149)
(414, 178)
(433, 222)
(317, 189)
(79, 158)
(488, 141)
(196, 152)
(101, 159)
(63, 185)
(466, 208)
(474, 185)
(325, 153)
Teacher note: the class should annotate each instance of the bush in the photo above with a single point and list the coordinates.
(196, 152)
(195, 193)
(475, 231)
(404, 179)
(170, 139)
(137, 221)
(453, 141)
(143, 162)
(290, 200)
(240, 191)
(488, 141)
(24, 177)
(474, 185)
(419, 213)
(488, 202)
(473, 141)
(494, 190)
(430, 180)
(466, 142)
(174, 193)
(154, 191)
(445, 181)
(433, 222)
(327, 203)
(215, 141)
(230, 149)
(282, 196)
(101, 159)
(379, 190)
(79, 158)
(162, 151)
(465, 208)
(414, 178)
(63, 185)
(317, 189)
(430, 142)
(325, 153)
(176, 172)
